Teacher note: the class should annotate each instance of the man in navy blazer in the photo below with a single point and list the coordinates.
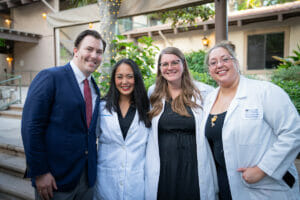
(59, 141)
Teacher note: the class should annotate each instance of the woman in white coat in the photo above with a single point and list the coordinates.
(171, 156)
(253, 130)
(124, 128)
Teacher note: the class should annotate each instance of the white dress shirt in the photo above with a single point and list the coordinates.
(80, 77)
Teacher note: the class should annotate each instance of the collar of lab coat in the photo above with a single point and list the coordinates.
(240, 94)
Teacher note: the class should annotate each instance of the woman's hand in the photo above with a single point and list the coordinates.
(252, 174)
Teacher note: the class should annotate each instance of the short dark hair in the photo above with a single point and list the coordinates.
(139, 96)
(92, 33)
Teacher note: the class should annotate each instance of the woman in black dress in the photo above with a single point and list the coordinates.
(171, 156)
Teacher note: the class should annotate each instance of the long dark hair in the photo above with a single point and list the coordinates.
(139, 95)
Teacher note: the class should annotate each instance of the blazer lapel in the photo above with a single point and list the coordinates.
(75, 87)
(97, 102)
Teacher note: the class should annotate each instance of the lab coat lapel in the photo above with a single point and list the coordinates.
(132, 127)
(117, 128)
(155, 121)
(240, 94)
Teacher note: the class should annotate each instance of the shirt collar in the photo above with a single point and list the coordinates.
(78, 74)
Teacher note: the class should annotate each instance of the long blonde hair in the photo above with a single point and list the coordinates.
(188, 96)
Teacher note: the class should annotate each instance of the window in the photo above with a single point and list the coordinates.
(261, 48)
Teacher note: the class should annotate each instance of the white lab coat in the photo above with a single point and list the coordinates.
(120, 165)
(208, 185)
(261, 128)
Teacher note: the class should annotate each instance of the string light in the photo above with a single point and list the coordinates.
(44, 15)
(8, 22)
(9, 59)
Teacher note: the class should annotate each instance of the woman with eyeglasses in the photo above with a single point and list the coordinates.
(253, 130)
(171, 155)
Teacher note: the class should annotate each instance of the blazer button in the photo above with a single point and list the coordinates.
(86, 152)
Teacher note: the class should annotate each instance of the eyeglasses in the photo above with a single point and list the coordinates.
(173, 63)
(215, 62)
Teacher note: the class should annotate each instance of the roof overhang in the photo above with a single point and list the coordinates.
(75, 16)
(7, 4)
(278, 12)
(140, 7)
(20, 36)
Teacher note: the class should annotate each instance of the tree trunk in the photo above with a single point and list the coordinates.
(109, 10)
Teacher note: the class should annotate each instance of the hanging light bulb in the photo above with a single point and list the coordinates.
(44, 15)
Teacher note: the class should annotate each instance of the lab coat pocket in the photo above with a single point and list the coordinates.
(136, 185)
(251, 123)
(107, 186)
(248, 155)
(267, 183)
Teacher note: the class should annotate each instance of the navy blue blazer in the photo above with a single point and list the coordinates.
(55, 135)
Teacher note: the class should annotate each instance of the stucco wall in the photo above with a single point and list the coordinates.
(3, 65)
(294, 37)
(192, 40)
(29, 58)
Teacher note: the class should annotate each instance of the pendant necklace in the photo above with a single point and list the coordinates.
(212, 120)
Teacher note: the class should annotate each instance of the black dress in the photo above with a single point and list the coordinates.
(178, 159)
(213, 133)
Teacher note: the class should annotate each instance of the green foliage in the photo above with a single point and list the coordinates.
(143, 54)
(80, 3)
(203, 77)
(290, 60)
(150, 80)
(187, 15)
(287, 76)
(102, 80)
(249, 4)
(195, 61)
(289, 80)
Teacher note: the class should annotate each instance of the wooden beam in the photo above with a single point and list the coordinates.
(25, 1)
(280, 17)
(11, 4)
(13, 35)
(175, 30)
(164, 38)
(221, 20)
(239, 23)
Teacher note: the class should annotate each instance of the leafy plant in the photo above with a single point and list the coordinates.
(184, 16)
(292, 87)
(195, 61)
(143, 54)
(203, 77)
(290, 60)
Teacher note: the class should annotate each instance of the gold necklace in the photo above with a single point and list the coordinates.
(212, 120)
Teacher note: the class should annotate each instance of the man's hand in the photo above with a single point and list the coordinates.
(44, 185)
(252, 174)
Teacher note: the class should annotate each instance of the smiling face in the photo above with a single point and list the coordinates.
(124, 80)
(171, 68)
(223, 67)
(88, 55)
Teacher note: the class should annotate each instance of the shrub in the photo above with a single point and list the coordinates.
(289, 80)
(143, 54)
(203, 77)
(287, 76)
(195, 61)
